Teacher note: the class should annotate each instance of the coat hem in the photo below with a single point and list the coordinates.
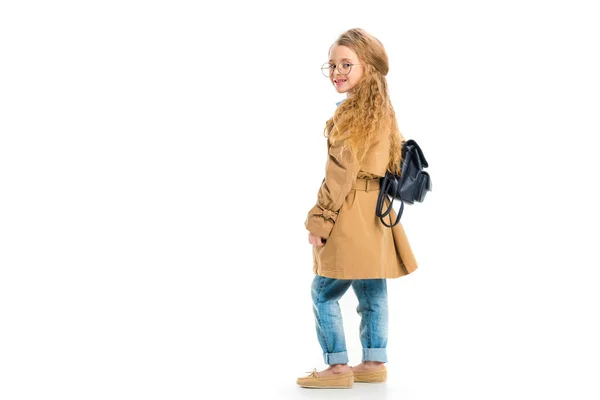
(335, 274)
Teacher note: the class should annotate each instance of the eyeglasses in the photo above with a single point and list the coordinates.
(343, 68)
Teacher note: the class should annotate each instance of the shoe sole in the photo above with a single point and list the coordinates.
(326, 387)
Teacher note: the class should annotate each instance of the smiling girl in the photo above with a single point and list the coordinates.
(351, 247)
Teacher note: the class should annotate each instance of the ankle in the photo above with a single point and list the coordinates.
(338, 366)
(373, 363)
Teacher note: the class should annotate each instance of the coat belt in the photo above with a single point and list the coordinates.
(366, 184)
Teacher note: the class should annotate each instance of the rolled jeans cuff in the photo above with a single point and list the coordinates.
(336, 358)
(374, 355)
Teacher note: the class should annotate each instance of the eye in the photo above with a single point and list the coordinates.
(346, 65)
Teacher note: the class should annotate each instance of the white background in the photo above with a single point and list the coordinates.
(158, 159)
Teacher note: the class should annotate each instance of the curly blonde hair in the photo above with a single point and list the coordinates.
(360, 118)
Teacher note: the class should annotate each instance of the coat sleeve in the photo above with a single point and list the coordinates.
(341, 171)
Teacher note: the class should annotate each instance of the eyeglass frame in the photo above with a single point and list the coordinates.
(336, 67)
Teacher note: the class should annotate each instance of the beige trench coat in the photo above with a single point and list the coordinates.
(358, 245)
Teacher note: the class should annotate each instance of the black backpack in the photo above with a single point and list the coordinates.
(411, 185)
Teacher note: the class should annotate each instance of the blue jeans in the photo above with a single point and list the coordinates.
(372, 308)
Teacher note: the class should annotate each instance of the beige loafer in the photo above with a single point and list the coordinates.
(338, 381)
(379, 375)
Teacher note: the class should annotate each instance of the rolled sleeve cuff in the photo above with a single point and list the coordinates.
(320, 221)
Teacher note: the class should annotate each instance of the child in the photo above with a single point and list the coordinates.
(351, 247)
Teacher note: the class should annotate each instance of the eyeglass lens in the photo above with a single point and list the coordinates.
(343, 68)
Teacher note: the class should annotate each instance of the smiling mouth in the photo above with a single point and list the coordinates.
(339, 81)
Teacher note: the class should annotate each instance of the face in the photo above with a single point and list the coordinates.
(349, 59)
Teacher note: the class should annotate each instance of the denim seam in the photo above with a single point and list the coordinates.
(319, 316)
(368, 314)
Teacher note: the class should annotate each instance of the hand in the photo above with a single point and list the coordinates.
(315, 240)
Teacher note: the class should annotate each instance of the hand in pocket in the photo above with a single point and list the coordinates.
(316, 240)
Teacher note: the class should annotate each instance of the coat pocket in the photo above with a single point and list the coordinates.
(327, 254)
